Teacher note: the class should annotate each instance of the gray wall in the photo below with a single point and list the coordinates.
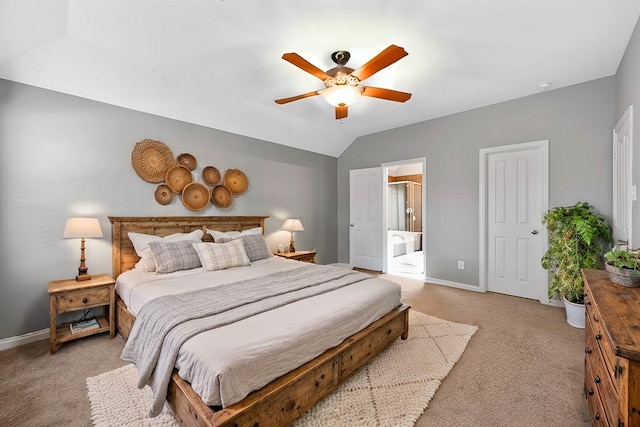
(63, 156)
(628, 93)
(577, 121)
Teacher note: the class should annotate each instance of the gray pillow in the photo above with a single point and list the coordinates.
(174, 256)
(256, 247)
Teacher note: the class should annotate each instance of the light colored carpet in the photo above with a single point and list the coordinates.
(393, 389)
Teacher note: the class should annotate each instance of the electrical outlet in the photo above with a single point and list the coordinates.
(460, 265)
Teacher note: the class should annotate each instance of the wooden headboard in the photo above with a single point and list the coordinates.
(124, 256)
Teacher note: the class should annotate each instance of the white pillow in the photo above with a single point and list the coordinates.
(221, 237)
(141, 245)
(218, 256)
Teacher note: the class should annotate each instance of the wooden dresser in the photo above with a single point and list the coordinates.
(612, 351)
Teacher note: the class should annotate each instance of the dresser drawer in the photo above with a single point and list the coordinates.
(600, 338)
(86, 298)
(594, 400)
(597, 376)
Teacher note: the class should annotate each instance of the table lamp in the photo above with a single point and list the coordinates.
(82, 228)
(292, 225)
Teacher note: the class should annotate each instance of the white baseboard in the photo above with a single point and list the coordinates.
(11, 342)
(546, 301)
(452, 284)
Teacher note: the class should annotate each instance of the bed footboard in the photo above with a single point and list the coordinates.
(287, 398)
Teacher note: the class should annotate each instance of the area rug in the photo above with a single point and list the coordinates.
(394, 389)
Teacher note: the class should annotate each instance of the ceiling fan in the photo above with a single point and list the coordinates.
(342, 84)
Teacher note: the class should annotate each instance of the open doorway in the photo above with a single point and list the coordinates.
(404, 218)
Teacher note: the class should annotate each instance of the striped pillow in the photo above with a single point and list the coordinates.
(218, 256)
(174, 256)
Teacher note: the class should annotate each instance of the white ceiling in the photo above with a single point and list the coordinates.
(217, 63)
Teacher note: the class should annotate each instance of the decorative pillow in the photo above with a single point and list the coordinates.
(218, 256)
(174, 256)
(221, 237)
(141, 245)
(256, 247)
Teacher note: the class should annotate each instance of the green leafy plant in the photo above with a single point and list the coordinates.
(623, 258)
(577, 235)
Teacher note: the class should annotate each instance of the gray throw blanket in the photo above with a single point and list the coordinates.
(165, 323)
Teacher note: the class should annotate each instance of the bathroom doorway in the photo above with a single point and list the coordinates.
(404, 218)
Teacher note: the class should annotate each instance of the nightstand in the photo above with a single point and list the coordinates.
(304, 256)
(70, 295)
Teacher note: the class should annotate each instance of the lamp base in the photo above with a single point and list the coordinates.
(83, 277)
(292, 245)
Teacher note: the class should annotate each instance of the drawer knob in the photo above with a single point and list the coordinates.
(590, 392)
(597, 380)
(84, 300)
(597, 416)
(587, 350)
(598, 336)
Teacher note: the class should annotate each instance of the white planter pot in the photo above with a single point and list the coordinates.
(575, 313)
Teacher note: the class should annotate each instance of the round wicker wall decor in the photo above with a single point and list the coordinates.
(151, 160)
(221, 196)
(195, 196)
(236, 181)
(177, 178)
(163, 194)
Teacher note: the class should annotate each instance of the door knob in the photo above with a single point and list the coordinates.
(534, 231)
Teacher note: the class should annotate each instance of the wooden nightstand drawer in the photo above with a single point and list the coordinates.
(83, 299)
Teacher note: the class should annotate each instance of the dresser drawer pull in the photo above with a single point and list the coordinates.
(587, 350)
(84, 300)
(598, 337)
(597, 416)
(590, 392)
(597, 379)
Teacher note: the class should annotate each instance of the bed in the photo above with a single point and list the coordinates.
(285, 398)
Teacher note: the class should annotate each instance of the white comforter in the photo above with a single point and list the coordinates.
(225, 364)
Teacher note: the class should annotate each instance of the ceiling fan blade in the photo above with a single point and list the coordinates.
(307, 66)
(388, 94)
(341, 111)
(295, 98)
(380, 61)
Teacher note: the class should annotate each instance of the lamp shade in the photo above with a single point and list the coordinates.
(81, 228)
(292, 224)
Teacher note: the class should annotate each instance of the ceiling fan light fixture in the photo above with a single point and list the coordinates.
(341, 94)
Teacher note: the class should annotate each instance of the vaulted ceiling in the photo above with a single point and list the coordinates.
(217, 63)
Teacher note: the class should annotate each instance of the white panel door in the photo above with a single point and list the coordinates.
(514, 214)
(365, 236)
(622, 184)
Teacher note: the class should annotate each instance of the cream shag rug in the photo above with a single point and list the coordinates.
(392, 390)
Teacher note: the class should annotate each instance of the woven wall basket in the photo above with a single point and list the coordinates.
(177, 178)
(221, 196)
(195, 196)
(210, 175)
(236, 181)
(188, 161)
(151, 160)
(163, 194)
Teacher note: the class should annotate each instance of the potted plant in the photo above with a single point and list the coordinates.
(577, 235)
(623, 266)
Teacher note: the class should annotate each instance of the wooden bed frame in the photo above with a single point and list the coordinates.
(284, 399)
